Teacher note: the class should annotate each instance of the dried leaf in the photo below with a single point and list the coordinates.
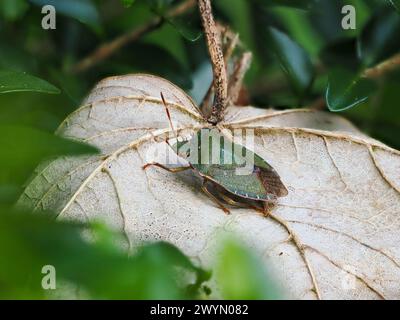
(335, 236)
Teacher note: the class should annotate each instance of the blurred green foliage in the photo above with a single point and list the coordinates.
(294, 60)
(100, 268)
(14, 81)
(240, 274)
(347, 89)
(301, 53)
(24, 148)
(395, 4)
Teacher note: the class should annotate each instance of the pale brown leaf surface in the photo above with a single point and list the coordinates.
(335, 236)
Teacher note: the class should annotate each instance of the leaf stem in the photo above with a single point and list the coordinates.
(107, 49)
(217, 60)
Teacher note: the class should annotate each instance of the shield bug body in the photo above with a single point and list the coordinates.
(237, 172)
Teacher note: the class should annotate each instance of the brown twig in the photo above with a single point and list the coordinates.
(107, 49)
(383, 68)
(213, 38)
(230, 41)
(236, 81)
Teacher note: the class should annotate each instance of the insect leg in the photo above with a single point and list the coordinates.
(244, 205)
(212, 197)
(172, 170)
(264, 210)
(231, 201)
(268, 205)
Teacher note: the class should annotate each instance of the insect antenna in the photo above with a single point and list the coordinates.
(175, 132)
(169, 116)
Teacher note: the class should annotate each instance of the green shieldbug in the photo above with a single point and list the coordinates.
(236, 179)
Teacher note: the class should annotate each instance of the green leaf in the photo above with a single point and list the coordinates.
(395, 4)
(378, 40)
(326, 19)
(300, 4)
(32, 109)
(12, 10)
(127, 3)
(23, 148)
(346, 90)
(82, 10)
(240, 275)
(159, 6)
(299, 26)
(187, 27)
(13, 81)
(72, 85)
(99, 267)
(294, 61)
(380, 117)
